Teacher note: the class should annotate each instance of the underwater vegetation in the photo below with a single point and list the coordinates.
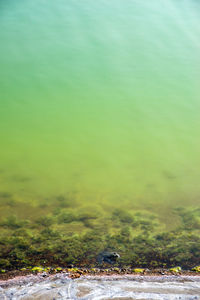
(59, 234)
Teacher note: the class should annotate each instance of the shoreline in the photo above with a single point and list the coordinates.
(74, 273)
(98, 287)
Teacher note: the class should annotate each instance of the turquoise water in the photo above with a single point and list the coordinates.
(101, 99)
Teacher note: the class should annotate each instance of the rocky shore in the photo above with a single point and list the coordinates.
(75, 272)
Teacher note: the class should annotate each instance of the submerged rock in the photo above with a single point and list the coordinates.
(108, 257)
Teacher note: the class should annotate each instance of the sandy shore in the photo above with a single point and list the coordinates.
(61, 286)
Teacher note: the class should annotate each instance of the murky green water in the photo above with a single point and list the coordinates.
(100, 100)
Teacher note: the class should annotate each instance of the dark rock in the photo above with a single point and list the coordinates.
(108, 257)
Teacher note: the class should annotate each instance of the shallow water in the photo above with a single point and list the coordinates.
(126, 288)
(99, 109)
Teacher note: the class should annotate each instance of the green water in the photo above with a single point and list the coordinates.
(100, 99)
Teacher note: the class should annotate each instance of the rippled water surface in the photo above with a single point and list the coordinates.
(100, 99)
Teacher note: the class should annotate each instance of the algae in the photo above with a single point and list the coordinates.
(77, 236)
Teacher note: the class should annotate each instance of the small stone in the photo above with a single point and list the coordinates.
(175, 269)
(196, 269)
(138, 270)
